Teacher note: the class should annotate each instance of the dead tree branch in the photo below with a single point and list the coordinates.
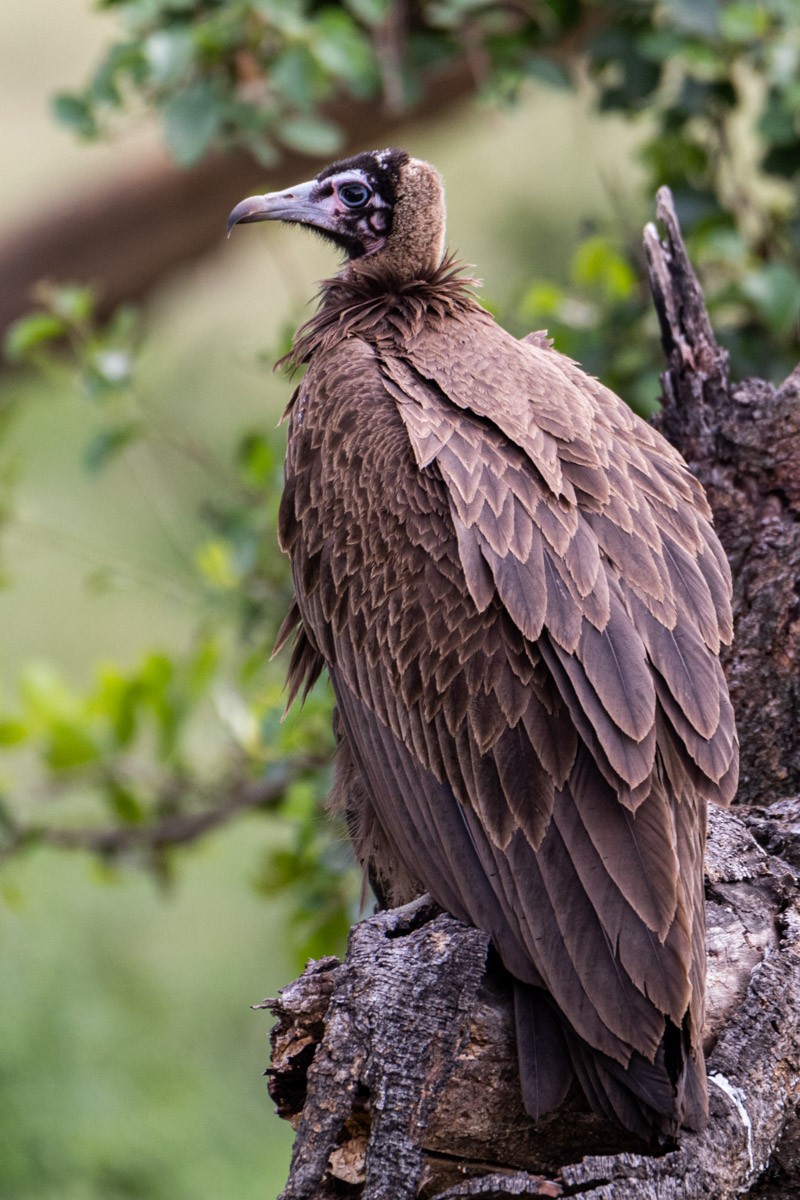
(742, 440)
(369, 1021)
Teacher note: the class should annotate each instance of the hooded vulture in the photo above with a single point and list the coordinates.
(515, 587)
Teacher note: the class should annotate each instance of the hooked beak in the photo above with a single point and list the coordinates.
(294, 204)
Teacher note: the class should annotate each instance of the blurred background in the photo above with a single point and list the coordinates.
(164, 863)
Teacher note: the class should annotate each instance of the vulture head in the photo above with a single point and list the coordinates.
(382, 207)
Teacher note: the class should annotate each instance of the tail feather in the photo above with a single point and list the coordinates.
(652, 1099)
(607, 1096)
(545, 1067)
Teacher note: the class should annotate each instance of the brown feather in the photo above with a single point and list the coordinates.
(516, 589)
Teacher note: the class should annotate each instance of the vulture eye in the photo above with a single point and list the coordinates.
(354, 195)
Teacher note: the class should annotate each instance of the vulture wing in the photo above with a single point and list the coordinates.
(515, 587)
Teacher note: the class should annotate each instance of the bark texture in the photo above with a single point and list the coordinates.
(742, 440)
(414, 1091)
(398, 1067)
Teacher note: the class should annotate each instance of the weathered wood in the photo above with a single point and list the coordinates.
(472, 1135)
(777, 827)
(409, 983)
(476, 1123)
(743, 443)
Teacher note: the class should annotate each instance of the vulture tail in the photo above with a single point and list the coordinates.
(544, 1060)
(652, 1100)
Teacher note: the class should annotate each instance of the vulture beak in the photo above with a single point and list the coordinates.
(295, 204)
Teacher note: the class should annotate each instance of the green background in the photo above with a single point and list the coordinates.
(130, 1063)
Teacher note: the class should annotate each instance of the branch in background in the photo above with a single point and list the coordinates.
(179, 829)
(156, 217)
(127, 237)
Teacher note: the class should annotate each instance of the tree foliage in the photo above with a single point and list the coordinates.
(711, 86)
(162, 753)
(712, 83)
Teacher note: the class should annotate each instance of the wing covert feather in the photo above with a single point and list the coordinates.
(516, 589)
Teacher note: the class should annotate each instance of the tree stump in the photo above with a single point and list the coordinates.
(398, 1067)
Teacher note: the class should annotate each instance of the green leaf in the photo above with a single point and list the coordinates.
(72, 302)
(31, 333)
(203, 666)
(125, 62)
(694, 16)
(115, 702)
(45, 695)
(192, 119)
(720, 244)
(777, 123)
(124, 325)
(310, 135)
(108, 443)
(371, 12)
(124, 803)
(75, 112)
(449, 14)
(264, 152)
(783, 66)
(548, 71)
(215, 560)
(541, 301)
(775, 291)
(169, 54)
(257, 459)
(12, 731)
(744, 22)
(157, 689)
(295, 75)
(178, 6)
(341, 48)
(69, 745)
(598, 263)
(659, 44)
(157, 672)
(285, 16)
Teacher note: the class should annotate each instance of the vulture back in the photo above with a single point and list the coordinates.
(515, 587)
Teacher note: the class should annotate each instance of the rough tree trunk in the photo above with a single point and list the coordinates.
(742, 440)
(398, 1067)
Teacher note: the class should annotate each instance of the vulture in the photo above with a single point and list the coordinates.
(514, 585)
